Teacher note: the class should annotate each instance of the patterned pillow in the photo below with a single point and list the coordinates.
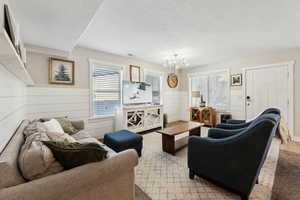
(67, 126)
(34, 127)
(60, 137)
(36, 159)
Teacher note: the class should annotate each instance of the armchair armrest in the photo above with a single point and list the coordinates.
(222, 133)
(234, 121)
(79, 124)
(233, 126)
(85, 182)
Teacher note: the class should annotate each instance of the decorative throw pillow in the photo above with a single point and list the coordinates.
(53, 126)
(67, 125)
(60, 137)
(34, 127)
(71, 155)
(36, 159)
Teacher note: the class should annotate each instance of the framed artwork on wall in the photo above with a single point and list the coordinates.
(61, 71)
(236, 80)
(135, 73)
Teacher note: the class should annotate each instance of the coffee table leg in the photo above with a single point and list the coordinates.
(196, 131)
(168, 144)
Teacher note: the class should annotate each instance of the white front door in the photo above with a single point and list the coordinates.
(267, 87)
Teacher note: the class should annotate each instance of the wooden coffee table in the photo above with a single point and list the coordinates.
(177, 128)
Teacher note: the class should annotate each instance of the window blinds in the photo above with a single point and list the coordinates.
(106, 90)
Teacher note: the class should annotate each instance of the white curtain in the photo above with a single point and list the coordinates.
(214, 87)
(219, 90)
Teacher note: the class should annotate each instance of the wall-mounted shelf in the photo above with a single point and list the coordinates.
(11, 60)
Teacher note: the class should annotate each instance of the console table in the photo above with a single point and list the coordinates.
(206, 115)
(140, 118)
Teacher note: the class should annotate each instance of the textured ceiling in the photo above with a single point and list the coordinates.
(202, 31)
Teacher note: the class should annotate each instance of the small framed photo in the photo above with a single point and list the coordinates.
(61, 71)
(135, 73)
(236, 80)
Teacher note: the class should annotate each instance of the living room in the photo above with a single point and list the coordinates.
(153, 84)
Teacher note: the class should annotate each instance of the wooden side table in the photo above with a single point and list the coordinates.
(206, 115)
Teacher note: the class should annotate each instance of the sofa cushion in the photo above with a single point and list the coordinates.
(60, 137)
(72, 155)
(9, 172)
(53, 126)
(81, 135)
(110, 152)
(36, 159)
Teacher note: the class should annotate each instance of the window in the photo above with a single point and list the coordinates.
(155, 81)
(213, 87)
(105, 90)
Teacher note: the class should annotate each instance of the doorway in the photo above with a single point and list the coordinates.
(270, 86)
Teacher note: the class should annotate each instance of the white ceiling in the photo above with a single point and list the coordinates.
(201, 31)
(54, 24)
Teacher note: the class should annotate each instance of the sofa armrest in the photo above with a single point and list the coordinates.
(79, 124)
(77, 182)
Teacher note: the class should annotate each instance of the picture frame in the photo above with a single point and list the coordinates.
(61, 71)
(135, 73)
(236, 80)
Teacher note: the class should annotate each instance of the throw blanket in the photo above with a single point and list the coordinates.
(284, 132)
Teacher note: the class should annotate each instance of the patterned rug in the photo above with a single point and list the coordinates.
(140, 194)
(165, 177)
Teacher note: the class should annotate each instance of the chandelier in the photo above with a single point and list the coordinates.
(176, 62)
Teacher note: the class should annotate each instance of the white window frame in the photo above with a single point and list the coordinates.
(207, 73)
(92, 63)
(161, 75)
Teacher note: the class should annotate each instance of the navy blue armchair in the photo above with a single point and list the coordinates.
(233, 162)
(238, 124)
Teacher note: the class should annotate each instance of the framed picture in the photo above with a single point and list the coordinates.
(61, 71)
(135, 73)
(236, 80)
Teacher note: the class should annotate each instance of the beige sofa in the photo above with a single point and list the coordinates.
(110, 179)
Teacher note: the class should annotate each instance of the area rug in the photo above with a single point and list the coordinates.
(140, 194)
(287, 176)
(165, 177)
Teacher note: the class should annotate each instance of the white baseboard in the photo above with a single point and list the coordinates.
(296, 139)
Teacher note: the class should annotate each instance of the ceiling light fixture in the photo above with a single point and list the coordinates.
(176, 62)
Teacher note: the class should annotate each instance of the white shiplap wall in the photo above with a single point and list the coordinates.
(12, 105)
(74, 103)
(71, 102)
